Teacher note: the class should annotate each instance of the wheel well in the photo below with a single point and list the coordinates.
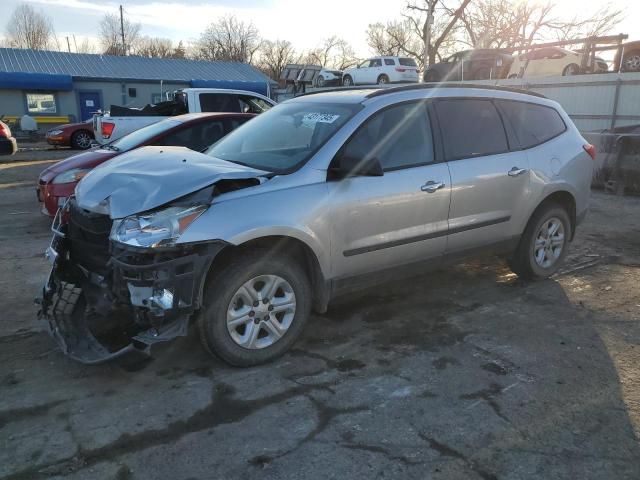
(565, 200)
(287, 246)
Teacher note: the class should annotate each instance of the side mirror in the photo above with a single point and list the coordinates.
(347, 166)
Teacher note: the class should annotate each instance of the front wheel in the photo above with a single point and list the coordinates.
(255, 308)
(320, 81)
(383, 80)
(347, 81)
(543, 244)
(571, 69)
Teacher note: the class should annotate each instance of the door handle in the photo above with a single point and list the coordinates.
(515, 171)
(431, 186)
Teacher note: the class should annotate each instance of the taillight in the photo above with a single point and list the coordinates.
(591, 150)
(4, 130)
(107, 129)
(401, 69)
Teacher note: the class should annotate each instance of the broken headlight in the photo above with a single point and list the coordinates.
(161, 228)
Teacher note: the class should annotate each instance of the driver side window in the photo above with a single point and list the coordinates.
(398, 137)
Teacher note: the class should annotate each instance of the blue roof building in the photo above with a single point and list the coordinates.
(50, 85)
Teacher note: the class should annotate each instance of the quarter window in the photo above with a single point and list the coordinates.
(470, 128)
(533, 124)
(389, 61)
(399, 137)
(39, 103)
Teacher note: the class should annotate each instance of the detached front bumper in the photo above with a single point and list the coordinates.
(139, 299)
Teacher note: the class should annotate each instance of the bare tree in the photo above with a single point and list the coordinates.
(29, 28)
(154, 47)
(228, 39)
(274, 56)
(396, 38)
(427, 19)
(111, 35)
(333, 52)
(506, 23)
(85, 46)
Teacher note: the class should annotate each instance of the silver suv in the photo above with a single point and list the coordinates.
(320, 193)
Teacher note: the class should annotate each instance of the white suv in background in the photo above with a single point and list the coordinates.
(382, 70)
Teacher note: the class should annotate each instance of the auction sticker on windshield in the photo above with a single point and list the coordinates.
(320, 118)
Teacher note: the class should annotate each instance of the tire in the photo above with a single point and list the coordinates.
(320, 81)
(431, 76)
(524, 262)
(347, 81)
(224, 294)
(81, 140)
(513, 75)
(382, 80)
(631, 62)
(571, 69)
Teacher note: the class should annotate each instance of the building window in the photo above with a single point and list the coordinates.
(40, 103)
(133, 93)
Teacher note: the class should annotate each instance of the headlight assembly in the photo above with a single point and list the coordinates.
(157, 229)
(73, 175)
(53, 133)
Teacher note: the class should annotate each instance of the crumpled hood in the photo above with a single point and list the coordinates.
(149, 177)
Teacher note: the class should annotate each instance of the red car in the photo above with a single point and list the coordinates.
(74, 135)
(195, 131)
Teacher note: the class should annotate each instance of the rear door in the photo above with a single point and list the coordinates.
(490, 183)
(397, 218)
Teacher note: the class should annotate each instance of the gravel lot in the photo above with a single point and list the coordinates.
(467, 373)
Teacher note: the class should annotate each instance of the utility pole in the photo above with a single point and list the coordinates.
(124, 45)
(68, 45)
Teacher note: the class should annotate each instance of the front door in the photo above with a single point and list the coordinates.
(489, 182)
(397, 218)
(90, 103)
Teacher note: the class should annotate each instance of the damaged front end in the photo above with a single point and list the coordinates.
(105, 299)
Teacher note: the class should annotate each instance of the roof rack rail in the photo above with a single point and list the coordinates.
(421, 86)
(340, 89)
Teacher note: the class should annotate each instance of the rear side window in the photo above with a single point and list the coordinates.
(399, 137)
(533, 124)
(470, 128)
(389, 61)
(407, 62)
(219, 102)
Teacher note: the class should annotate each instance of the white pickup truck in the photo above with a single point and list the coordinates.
(121, 121)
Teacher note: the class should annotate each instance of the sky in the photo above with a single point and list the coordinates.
(303, 22)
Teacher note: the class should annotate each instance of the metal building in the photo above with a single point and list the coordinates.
(61, 87)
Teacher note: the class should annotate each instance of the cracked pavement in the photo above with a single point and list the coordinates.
(463, 373)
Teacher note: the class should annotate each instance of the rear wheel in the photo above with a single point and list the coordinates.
(81, 140)
(631, 62)
(543, 244)
(571, 69)
(255, 308)
(347, 81)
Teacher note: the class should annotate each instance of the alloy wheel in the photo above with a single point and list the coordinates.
(83, 140)
(632, 63)
(549, 242)
(261, 311)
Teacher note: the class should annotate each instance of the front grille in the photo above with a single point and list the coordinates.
(89, 238)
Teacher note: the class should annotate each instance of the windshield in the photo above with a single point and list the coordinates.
(135, 139)
(284, 137)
